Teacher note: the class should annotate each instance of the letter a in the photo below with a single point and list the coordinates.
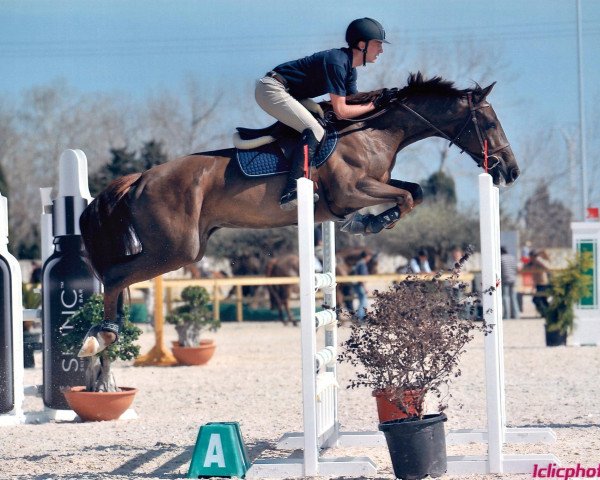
(214, 452)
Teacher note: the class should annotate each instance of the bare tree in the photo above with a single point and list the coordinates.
(37, 128)
(436, 226)
(547, 221)
(184, 123)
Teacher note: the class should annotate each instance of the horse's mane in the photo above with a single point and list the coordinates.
(416, 85)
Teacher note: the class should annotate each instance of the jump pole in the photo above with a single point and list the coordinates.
(319, 381)
(496, 434)
(159, 355)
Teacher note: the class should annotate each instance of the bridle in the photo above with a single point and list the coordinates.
(492, 160)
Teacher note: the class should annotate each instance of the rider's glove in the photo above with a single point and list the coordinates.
(386, 96)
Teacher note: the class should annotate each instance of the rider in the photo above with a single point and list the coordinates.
(331, 71)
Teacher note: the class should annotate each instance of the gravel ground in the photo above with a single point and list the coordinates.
(254, 379)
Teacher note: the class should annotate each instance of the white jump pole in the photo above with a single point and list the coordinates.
(496, 434)
(319, 381)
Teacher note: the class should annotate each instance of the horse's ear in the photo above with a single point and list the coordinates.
(481, 94)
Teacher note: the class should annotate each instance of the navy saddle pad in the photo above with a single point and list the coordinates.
(270, 160)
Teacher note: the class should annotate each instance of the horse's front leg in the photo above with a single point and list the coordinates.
(406, 195)
(395, 199)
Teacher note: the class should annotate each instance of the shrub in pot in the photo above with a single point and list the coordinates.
(100, 398)
(567, 287)
(409, 346)
(190, 319)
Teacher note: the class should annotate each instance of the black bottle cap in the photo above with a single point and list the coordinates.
(65, 215)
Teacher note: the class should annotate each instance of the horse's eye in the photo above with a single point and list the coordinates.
(489, 126)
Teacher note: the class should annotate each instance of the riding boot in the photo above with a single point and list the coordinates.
(289, 197)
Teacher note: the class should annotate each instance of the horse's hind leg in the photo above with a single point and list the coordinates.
(136, 268)
(100, 336)
(277, 299)
(289, 313)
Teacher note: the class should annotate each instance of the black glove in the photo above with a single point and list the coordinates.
(386, 96)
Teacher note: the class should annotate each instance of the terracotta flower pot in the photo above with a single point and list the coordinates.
(98, 406)
(387, 410)
(194, 355)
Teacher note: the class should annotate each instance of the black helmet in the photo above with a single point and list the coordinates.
(364, 29)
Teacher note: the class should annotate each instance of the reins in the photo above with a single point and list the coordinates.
(331, 118)
(484, 157)
(472, 118)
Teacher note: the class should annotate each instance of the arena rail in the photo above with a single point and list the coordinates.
(214, 285)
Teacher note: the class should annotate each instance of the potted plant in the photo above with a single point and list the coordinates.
(567, 287)
(408, 347)
(100, 398)
(190, 319)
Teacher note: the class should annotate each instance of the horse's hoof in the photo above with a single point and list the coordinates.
(357, 225)
(95, 342)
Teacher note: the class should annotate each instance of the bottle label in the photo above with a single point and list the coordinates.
(67, 285)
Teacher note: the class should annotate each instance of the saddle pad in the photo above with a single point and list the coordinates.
(270, 160)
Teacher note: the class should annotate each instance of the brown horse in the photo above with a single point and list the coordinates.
(289, 266)
(283, 266)
(147, 224)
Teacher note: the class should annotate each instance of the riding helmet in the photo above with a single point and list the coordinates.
(364, 29)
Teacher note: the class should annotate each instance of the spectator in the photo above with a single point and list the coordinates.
(361, 268)
(36, 273)
(539, 267)
(455, 255)
(420, 263)
(508, 272)
(525, 253)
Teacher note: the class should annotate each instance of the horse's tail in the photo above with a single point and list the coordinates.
(106, 226)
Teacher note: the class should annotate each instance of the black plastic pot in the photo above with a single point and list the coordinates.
(555, 339)
(417, 447)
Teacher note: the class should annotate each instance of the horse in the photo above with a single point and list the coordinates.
(289, 266)
(350, 256)
(283, 266)
(145, 224)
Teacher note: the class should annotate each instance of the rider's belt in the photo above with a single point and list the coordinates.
(280, 78)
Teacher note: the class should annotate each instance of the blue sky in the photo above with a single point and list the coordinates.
(136, 46)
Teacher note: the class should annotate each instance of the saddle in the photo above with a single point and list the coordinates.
(267, 151)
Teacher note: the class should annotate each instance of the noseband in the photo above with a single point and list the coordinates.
(493, 160)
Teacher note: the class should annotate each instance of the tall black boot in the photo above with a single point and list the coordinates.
(289, 197)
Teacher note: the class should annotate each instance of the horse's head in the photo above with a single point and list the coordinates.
(478, 126)
(465, 118)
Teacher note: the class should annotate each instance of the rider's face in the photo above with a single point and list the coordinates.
(374, 48)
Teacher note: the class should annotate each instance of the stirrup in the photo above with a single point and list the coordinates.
(289, 201)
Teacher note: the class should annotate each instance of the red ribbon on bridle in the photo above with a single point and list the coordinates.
(485, 156)
(306, 161)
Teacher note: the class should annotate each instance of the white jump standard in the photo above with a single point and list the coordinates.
(319, 381)
(496, 434)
